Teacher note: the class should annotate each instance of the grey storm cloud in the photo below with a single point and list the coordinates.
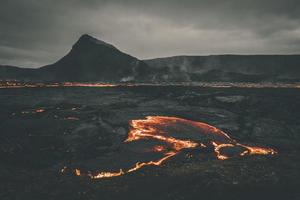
(38, 32)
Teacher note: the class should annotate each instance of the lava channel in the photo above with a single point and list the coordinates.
(155, 139)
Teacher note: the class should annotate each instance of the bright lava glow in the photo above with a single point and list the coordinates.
(17, 84)
(177, 134)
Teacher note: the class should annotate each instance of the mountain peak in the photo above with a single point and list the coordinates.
(87, 39)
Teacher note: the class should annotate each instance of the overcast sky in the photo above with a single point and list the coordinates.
(39, 32)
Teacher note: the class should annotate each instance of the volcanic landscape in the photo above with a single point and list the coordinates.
(102, 124)
(149, 142)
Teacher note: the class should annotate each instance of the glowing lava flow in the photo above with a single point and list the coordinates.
(17, 84)
(177, 134)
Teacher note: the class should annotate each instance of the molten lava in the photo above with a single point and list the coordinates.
(40, 110)
(18, 84)
(175, 134)
(106, 174)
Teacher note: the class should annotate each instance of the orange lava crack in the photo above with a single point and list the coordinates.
(164, 129)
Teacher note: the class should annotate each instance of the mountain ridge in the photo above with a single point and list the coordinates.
(93, 60)
(232, 67)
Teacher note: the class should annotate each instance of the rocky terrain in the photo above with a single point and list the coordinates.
(43, 130)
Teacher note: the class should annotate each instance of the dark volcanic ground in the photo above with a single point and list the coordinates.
(80, 127)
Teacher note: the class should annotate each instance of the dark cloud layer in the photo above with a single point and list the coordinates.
(38, 32)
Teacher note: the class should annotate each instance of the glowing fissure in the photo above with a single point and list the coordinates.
(18, 84)
(51, 85)
(166, 129)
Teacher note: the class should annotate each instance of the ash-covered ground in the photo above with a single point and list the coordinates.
(42, 130)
